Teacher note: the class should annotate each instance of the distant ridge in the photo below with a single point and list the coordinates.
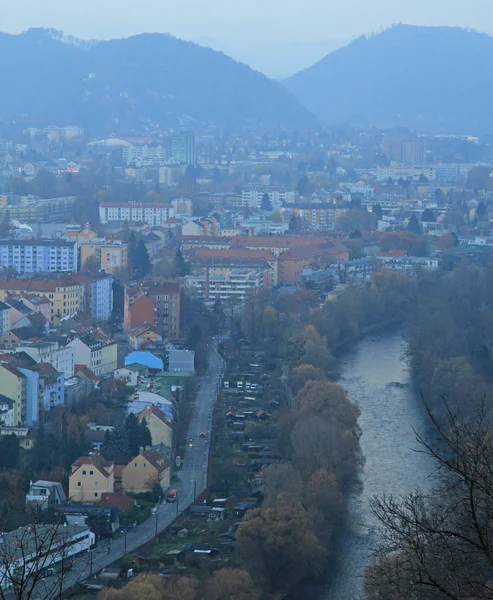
(48, 77)
(425, 77)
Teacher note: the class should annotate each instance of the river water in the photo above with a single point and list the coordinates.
(378, 379)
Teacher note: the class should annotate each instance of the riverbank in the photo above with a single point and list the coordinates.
(376, 374)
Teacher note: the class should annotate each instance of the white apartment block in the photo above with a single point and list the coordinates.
(170, 174)
(145, 156)
(38, 256)
(252, 198)
(237, 284)
(152, 213)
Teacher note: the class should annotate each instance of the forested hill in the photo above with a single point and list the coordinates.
(47, 78)
(435, 78)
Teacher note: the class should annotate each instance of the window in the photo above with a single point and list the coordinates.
(84, 472)
(91, 472)
(145, 465)
(135, 465)
(96, 494)
(79, 484)
(96, 484)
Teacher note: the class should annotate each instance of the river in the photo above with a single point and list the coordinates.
(378, 379)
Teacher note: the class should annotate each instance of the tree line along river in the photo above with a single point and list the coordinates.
(378, 379)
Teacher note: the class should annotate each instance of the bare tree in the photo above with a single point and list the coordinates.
(39, 561)
(440, 544)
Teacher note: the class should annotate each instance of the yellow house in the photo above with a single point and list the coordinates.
(109, 358)
(91, 476)
(159, 426)
(144, 471)
(111, 256)
(13, 384)
(65, 294)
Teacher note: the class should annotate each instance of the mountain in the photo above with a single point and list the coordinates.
(107, 85)
(275, 60)
(437, 78)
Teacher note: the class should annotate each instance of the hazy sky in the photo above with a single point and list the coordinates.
(240, 22)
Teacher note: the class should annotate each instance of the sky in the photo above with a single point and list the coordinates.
(240, 23)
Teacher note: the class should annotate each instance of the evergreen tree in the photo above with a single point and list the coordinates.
(414, 225)
(132, 427)
(377, 209)
(141, 264)
(116, 446)
(428, 216)
(266, 203)
(180, 264)
(144, 434)
(9, 451)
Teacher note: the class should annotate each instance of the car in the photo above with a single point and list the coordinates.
(202, 434)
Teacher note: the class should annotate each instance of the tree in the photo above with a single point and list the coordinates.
(92, 263)
(230, 584)
(115, 446)
(194, 336)
(303, 373)
(438, 544)
(9, 451)
(447, 242)
(145, 437)
(181, 265)
(479, 178)
(325, 504)
(279, 545)
(377, 209)
(26, 553)
(428, 216)
(414, 226)
(304, 186)
(98, 523)
(133, 430)
(266, 203)
(139, 259)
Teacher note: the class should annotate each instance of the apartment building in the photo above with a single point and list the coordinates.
(156, 304)
(91, 476)
(152, 213)
(96, 351)
(38, 256)
(183, 148)
(252, 198)
(32, 209)
(145, 156)
(295, 260)
(169, 174)
(111, 256)
(234, 286)
(317, 216)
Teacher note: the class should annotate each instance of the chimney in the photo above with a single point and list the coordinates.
(141, 449)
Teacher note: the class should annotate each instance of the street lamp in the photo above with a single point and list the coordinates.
(125, 540)
(157, 511)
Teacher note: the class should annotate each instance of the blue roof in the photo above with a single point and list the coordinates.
(148, 359)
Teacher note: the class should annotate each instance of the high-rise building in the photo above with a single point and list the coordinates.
(183, 148)
(406, 151)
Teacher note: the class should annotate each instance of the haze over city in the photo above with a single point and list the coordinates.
(275, 37)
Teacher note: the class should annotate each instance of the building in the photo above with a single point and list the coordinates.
(293, 262)
(6, 411)
(110, 256)
(98, 294)
(181, 360)
(318, 215)
(36, 547)
(90, 477)
(47, 351)
(32, 209)
(183, 207)
(15, 387)
(5, 311)
(51, 387)
(144, 334)
(152, 213)
(131, 374)
(145, 471)
(38, 256)
(407, 151)
(65, 293)
(159, 425)
(96, 351)
(396, 172)
(163, 313)
(43, 495)
(183, 148)
(80, 235)
(169, 175)
(145, 156)
(252, 198)
(236, 286)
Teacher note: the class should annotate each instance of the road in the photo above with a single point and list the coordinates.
(193, 480)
